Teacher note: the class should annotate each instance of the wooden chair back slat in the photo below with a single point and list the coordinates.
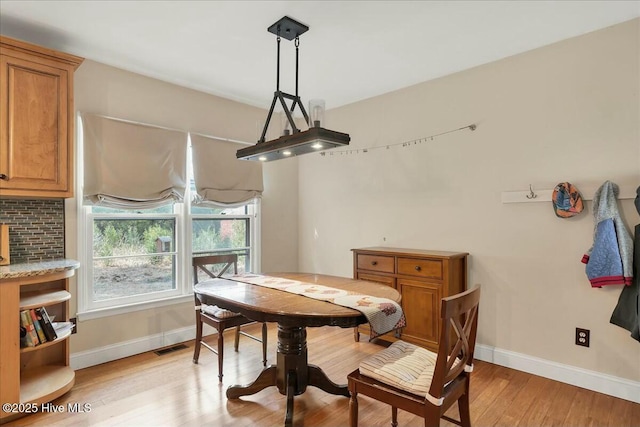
(459, 315)
(204, 263)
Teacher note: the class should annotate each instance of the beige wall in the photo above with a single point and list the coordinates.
(113, 92)
(566, 112)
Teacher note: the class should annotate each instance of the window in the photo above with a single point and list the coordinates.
(137, 258)
(134, 254)
(223, 230)
(143, 256)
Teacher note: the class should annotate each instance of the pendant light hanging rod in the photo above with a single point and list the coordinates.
(290, 30)
(297, 44)
(278, 63)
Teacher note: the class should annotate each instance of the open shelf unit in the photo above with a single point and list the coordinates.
(42, 373)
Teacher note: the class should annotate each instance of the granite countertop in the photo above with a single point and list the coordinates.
(39, 268)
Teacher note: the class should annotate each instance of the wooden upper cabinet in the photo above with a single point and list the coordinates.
(36, 120)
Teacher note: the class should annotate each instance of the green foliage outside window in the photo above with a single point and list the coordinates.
(209, 234)
(119, 237)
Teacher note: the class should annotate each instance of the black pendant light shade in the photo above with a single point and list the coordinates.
(313, 140)
(294, 142)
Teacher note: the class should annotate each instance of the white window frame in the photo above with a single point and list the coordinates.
(89, 309)
(141, 298)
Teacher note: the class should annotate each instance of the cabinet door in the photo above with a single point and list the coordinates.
(34, 149)
(421, 305)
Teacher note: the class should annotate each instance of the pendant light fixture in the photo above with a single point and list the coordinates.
(293, 142)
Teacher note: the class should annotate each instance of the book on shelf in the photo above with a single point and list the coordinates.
(23, 335)
(45, 322)
(38, 326)
(62, 327)
(31, 337)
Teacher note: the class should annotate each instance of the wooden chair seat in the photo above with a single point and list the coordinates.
(420, 381)
(402, 365)
(218, 312)
(220, 318)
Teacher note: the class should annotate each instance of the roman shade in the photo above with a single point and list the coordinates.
(129, 165)
(221, 178)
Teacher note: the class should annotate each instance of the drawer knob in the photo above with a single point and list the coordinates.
(3, 176)
(418, 268)
(374, 262)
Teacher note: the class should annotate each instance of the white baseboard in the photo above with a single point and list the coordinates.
(108, 353)
(602, 383)
(596, 381)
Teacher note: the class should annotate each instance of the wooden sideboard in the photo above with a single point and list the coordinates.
(37, 120)
(422, 277)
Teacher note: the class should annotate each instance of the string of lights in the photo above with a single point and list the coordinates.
(334, 152)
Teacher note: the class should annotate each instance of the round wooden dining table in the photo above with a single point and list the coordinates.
(293, 313)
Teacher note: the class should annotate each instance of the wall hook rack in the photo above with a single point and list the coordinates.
(587, 190)
(531, 194)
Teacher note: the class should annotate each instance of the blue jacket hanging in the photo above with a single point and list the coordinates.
(610, 259)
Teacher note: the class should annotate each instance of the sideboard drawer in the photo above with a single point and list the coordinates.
(427, 268)
(384, 264)
(370, 277)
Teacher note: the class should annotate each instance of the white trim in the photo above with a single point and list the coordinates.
(108, 353)
(256, 233)
(591, 380)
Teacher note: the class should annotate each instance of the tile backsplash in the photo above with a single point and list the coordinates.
(36, 228)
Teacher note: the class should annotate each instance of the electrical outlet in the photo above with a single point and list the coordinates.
(75, 325)
(582, 337)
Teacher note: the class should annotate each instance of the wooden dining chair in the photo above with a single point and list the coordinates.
(420, 381)
(216, 266)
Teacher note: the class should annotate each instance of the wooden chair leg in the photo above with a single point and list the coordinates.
(394, 416)
(220, 352)
(236, 344)
(196, 349)
(264, 344)
(463, 408)
(432, 416)
(353, 410)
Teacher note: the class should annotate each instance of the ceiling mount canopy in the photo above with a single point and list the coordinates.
(293, 142)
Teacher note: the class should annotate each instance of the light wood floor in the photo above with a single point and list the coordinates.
(170, 390)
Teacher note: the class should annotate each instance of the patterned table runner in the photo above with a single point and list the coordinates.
(384, 315)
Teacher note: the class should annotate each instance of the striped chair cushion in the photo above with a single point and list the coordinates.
(402, 365)
(218, 312)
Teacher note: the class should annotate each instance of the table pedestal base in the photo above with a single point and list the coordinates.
(292, 373)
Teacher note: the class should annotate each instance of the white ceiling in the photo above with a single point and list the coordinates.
(353, 50)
